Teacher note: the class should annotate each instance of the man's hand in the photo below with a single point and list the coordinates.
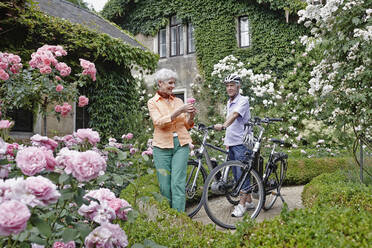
(218, 127)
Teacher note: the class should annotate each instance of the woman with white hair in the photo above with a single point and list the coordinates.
(172, 119)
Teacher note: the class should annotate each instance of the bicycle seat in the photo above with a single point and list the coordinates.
(277, 141)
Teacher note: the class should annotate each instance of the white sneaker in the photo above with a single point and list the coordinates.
(250, 205)
(239, 211)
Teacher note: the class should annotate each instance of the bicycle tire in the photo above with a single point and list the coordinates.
(194, 196)
(274, 183)
(217, 207)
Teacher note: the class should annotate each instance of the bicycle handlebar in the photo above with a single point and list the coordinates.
(258, 121)
(202, 127)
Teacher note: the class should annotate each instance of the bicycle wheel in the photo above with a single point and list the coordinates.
(274, 182)
(216, 194)
(194, 192)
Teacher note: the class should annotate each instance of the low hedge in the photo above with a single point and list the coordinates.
(340, 188)
(319, 226)
(302, 170)
(308, 227)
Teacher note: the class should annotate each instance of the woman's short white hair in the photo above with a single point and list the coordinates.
(165, 74)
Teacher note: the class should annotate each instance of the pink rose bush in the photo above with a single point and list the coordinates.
(107, 236)
(9, 64)
(127, 136)
(13, 217)
(65, 184)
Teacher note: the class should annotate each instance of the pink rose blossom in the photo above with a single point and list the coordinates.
(121, 207)
(13, 217)
(87, 166)
(59, 88)
(89, 68)
(132, 150)
(3, 75)
(87, 134)
(58, 78)
(60, 244)
(107, 236)
(4, 172)
(83, 101)
(127, 136)
(43, 189)
(63, 69)
(58, 108)
(44, 141)
(45, 70)
(191, 100)
(10, 149)
(31, 160)
(65, 109)
(101, 194)
(5, 124)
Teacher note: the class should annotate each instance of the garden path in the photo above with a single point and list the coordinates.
(291, 195)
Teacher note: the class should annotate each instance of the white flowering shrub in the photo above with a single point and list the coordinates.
(341, 35)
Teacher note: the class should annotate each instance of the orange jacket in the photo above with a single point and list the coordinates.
(160, 111)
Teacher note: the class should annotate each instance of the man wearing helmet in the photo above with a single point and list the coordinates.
(238, 114)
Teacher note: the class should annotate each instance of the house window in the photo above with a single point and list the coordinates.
(176, 37)
(81, 118)
(23, 120)
(162, 43)
(190, 39)
(244, 37)
(180, 94)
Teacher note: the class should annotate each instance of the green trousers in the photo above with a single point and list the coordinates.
(171, 165)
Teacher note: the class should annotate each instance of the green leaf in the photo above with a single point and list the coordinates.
(69, 234)
(4, 161)
(41, 225)
(63, 178)
(122, 155)
(118, 179)
(83, 229)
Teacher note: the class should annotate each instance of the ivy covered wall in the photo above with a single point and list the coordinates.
(215, 23)
(113, 96)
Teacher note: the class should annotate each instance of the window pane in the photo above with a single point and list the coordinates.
(180, 95)
(173, 41)
(244, 39)
(244, 24)
(82, 118)
(23, 120)
(163, 50)
(180, 34)
(162, 43)
(191, 44)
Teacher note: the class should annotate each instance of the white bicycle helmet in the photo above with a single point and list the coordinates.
(232, 78)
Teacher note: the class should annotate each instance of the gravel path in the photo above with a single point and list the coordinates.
(291, 195)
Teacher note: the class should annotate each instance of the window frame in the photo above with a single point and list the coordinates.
(240, 32)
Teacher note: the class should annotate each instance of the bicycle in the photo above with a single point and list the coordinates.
(260, 187)
(197, 173)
